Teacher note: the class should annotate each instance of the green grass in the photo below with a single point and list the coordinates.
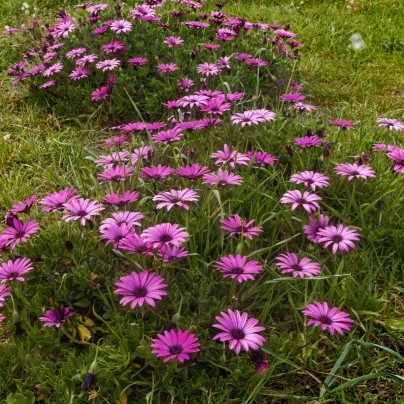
(46, 148)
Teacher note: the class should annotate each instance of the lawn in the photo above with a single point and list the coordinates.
(51, 142)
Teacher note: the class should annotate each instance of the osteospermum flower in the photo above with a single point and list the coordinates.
(86, 59)
(113, 159)
(289, 262)
(134, 244)
(355, 171)
(118, 173)
(138, 61)
(13, 270)
(241, 331)
(230, 157)
(171, 253)
(207, 69)
(50, 71)
(222, 178)
(79, 73)
(311, 230)
(185, 84)
(168, 136)
(306, 200)
(167, 67)
(156, 172)
(261, 158)
(310, 179)
(256, 62)
(391, 124)
(397, 155)
(292, 97)
(259, 360)
(109, 64)
(328, 319)
(63, 29)
(173, 41)
(339, 238)
(114, 233)
(4, 292)
(344, 124)
(120, 218)
(192, 100)
(23, 207)
(215, 105)
(55, 318)
(19, 232)
(140, 288)
(175, 345)
(237, 267)
(47, 84)
(247, 118)
(120, 26)
(55, 202)
(176, 198)
(309, 141)
(164, 234)
(192, 172)
(114, 46)
(82, 210)
(301, 106)
(75, 52)
(101, 93)
(121, 200)
(237, 226)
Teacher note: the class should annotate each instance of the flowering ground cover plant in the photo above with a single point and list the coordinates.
(211, 243)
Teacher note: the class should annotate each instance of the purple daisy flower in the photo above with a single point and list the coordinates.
(207, 69)
(172, 41)
(301, 106)
(176, 198)
(101, 93)
(215, 106)
(109, 64)
(55, 202)
(247, 118)
(120, 26)
(261, 158)
(243, 56)
(309, 141)
(306, 200)
(140, 288)
(168, 136)
(47, 84)
(310, 179)
(50, 71)
(329, 319)
(138, 61)
(24, 207)
(230, 157)
(339, 238)
(259, 360)
(63, 29)
(75, 52)
(55, 318)
(134, 244)
(193, 100)
(344, 124)
(117, 173)
(397, 155)
(81, 209)
(241, 331)
(156, 172)
(192, 172)
(292, 97)
(185, 84)
(281, 33)
(86, 59)
(175, 345)
(289, 262)
(392, 124)
(4, 292)
(196, 24)
(115, 47)
(222, 178)
(19, 232)
(119, 218)
(167, 67)
(237, 226)
(355, 171)
(113, 159)
(13, 270)
(115, 233)
(121, 200)
(256, 62)
(79, 73)
(168, 253)
(237, 267)
(311, 230)
(164, 234)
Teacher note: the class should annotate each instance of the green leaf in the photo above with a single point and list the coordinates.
(396, 324)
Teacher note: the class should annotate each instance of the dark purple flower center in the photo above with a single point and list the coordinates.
(116, 178)
(354, 173)
(142, 248)
(297, 267)
(325, 320)
(240, 229)
(20, 234)
(301, 201)
(175, 350)
(238, 334)
(337, 239)
(165, 238)
(237, 270)
(12, 275)
(222, 182)
(81, 213)
(140, 292)
(309, 181)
